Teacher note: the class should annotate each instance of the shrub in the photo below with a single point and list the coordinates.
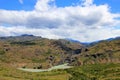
(2, 52)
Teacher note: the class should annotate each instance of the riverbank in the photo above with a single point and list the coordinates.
(63, 66)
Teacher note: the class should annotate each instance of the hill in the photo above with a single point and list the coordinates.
(89, 62)
(105, 51)
(34, 49)
(29, 50)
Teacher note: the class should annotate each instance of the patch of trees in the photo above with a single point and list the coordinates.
(51, 60)
(25, 43)
(95, 55)
(38, 67)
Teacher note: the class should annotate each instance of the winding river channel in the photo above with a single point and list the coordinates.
(63, 66)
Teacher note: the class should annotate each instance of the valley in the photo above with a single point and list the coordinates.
(29, 57)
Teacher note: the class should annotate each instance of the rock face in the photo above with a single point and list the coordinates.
(95, 55)
(48, 52)
(77, 51)
(61, 45)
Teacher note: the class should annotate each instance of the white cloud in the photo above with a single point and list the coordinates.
(44, 5)
(21, 1)
(84, 23)
(87, 2)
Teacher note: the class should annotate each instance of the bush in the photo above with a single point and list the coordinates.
(2, 52)
(24, 43)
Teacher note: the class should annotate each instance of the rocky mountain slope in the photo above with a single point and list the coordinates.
(29, 50)
(37, 52)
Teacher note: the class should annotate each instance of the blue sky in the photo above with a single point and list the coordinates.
(16, 5)
(29, 4)
(83, 20)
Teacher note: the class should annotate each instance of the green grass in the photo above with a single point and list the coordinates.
(8, 73)
(86, 72)
(2, 52)
(37, 51)
(96, 72)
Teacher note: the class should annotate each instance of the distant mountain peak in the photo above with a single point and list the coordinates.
(72, 40)
(24, 35)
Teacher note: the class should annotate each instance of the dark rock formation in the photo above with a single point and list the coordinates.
(95, 55)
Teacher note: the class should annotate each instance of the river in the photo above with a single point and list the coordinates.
(63, 66)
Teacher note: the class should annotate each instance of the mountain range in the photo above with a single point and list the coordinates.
(90, 61)
(31, 49)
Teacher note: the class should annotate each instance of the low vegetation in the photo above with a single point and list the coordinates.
(96, 72)
(87, 72)
(98, 61)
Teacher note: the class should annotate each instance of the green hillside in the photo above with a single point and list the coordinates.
(104, 52)
(100, 61)
(90, 72)
(30, 51)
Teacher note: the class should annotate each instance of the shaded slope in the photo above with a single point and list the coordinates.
(32, 50)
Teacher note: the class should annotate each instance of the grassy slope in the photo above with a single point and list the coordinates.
(38, 52)
(96, 72)
(88, 72)
(35, 51)
(103, 52)
(9, 73)
(105, 47)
